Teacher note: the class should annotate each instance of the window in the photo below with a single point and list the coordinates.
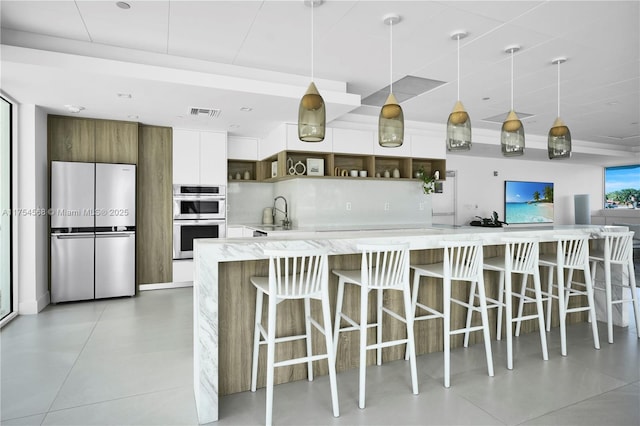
(622, 187)
(6, 290)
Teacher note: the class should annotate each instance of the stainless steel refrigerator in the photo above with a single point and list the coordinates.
(93, 240)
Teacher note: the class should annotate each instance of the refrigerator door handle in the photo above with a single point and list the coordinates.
(114, 234)
(74, 236)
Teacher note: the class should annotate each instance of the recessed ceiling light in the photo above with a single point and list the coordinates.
(124, 95)
(486, 98)
(123, 5)
(133, 117)
(74, 108)
(234, 126)
(612, 103)
(246, 109)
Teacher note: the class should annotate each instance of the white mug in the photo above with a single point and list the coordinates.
(354, 173)
(363, 173)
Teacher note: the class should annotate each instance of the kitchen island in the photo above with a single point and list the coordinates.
(224, 299)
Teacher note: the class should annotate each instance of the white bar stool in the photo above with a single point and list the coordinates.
(462, 260)
(299, 274)
(618, 250)
(383, 267)
(572, 252)
(520, 257)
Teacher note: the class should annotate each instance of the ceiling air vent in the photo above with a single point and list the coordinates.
(205, 112)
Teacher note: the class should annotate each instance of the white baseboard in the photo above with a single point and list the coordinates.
(32, 307)
(163, 286)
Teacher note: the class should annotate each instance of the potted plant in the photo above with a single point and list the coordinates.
(428, 181)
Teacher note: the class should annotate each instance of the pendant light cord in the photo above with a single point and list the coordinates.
(511, 79)
(458, 67)
(391, 57)
(559, 88)
(312, 39)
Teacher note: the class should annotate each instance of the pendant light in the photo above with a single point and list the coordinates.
(458, 124)
(311, 113)
(512, 134)
(391, 121)
(559, 139)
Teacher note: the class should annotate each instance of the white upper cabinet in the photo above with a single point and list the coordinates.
(213, 158)
(428, 146)
(186, 155)
(199, 157)
(350, 141)
(295, 144)
(240, 148)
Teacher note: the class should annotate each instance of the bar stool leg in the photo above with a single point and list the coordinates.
(364, 293)
(500, 302)
(634, 294)
(446, 310)
(592, 304)
(379, 327)
(550, 293)
(256, 340)
(472, 300)
(336, 328)
(509, 319)
(307, 324)
(271, 351)
(326, 314)
(561, 310)
(538, 292)
(411, 343)
(607, 291)
(414, 303)
(485, 326)
(523, 292)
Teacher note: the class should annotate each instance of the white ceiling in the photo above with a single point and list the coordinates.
(173, 55)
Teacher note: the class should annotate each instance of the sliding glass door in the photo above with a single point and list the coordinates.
(6, 290)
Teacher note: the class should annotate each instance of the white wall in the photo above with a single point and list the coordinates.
(477, 185)
(33, 263)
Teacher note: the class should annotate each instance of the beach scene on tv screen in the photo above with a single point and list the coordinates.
(528, 202)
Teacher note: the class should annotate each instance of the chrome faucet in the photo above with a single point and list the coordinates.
(286, 223)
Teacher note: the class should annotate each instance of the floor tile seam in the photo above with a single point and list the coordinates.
(576, 403)
(586, 365)
(74, 364)
(459, 395)
(135, 395)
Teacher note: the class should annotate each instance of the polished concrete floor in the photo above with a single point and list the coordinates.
(129, 362)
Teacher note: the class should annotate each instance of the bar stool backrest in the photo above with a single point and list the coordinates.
(384, 266)
(573, 251)
(297, 273)
(521, 254)
(618, 246)
(462, 259)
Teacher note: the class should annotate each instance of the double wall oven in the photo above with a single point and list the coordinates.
(199, 211)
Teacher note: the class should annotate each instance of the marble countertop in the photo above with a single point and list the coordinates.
(344, 240)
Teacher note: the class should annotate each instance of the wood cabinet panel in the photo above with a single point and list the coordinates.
(154, 206)
(116, 142)
(71, 139)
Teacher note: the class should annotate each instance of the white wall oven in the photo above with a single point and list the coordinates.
(199, 211)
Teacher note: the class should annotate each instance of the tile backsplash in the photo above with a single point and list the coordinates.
(330, 202)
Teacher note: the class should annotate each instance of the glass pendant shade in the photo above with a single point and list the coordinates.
(559, 141)
(311, 116)
(391, 123)
(459, 129)
(512, 136)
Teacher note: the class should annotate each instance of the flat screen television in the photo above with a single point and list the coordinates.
(528, 202)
